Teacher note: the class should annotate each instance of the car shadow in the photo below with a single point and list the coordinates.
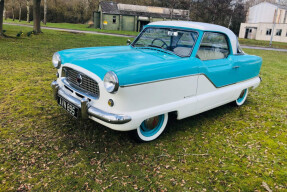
(90, 134)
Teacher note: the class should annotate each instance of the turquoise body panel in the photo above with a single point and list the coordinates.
(233, 69)
(141, 65)
(131, 65)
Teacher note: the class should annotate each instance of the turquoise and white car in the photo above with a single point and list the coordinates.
(177, 67)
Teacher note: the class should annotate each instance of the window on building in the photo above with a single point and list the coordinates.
(213, 46)
(278, 32)
(268, 31)
(286, 34)
(114, 19)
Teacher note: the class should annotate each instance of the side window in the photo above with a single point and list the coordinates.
(114, 19)
(186, 40)
(268, 31)
(184, 43)
(213, 46)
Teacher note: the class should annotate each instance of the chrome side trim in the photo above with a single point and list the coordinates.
(136, 84)
(148, 82)
(89, 111)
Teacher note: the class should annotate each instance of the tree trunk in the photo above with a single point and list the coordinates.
(45, 12)
(13, 15)
(20, 11)
(1, 16)
(28, 11)
(37, 16)
(5, 14)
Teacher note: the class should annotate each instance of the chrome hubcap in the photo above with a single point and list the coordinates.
(242, 94)
(151, 123)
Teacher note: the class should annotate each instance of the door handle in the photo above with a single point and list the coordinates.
(235, 67)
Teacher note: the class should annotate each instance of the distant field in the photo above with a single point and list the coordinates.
(42, 148)
(253, 42)
(83, 27)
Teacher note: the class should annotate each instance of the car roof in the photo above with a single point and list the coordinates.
(200, 26)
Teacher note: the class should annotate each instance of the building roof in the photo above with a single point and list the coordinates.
(110, 7)
(280, 6)
(202, 27)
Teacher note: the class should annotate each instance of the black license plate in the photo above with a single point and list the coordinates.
(69, 107)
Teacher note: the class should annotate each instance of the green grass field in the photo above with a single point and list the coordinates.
(43, 149)
(83, 27)
(252, 42)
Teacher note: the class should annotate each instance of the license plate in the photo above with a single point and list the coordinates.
(69, 107)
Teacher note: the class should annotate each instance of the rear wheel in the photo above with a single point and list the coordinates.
(242, 97)
(151, 128)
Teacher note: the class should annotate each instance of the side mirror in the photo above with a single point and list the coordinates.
(129, 42)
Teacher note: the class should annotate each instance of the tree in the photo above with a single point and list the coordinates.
(1, 17)
(28, 10)
(37, 16)
(20, 2)
(13, 9)
(45, 12)
(238, 16)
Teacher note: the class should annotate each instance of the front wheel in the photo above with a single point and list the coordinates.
(242, 97)
(151, 128)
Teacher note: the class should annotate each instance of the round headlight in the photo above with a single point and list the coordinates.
(111, 82)
(56, 60)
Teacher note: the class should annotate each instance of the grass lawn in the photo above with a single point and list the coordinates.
(43, 149)
(252, 42)
(83, 27)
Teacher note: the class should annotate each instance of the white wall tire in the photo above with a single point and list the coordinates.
(151, 128)
(242, 97)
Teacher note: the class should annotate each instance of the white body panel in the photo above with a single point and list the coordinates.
(187, 96)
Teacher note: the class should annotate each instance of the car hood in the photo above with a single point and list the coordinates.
(132, 65)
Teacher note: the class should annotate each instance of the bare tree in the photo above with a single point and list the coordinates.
(37, 16)
(13, 9)
(5, 10)
(28, 10)
(1, 17)
(20, 2)
(45, 12)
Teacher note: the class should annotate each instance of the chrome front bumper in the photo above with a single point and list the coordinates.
(87, 110)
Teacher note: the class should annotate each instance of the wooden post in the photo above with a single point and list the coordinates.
(120, 22)
(135, 23)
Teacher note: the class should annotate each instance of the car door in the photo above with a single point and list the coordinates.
(217, 63)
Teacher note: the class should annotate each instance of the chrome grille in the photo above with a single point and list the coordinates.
(88, 85)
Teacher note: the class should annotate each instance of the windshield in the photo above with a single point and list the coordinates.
(179, 42)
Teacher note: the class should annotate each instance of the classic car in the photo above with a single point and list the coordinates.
(177, 67)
